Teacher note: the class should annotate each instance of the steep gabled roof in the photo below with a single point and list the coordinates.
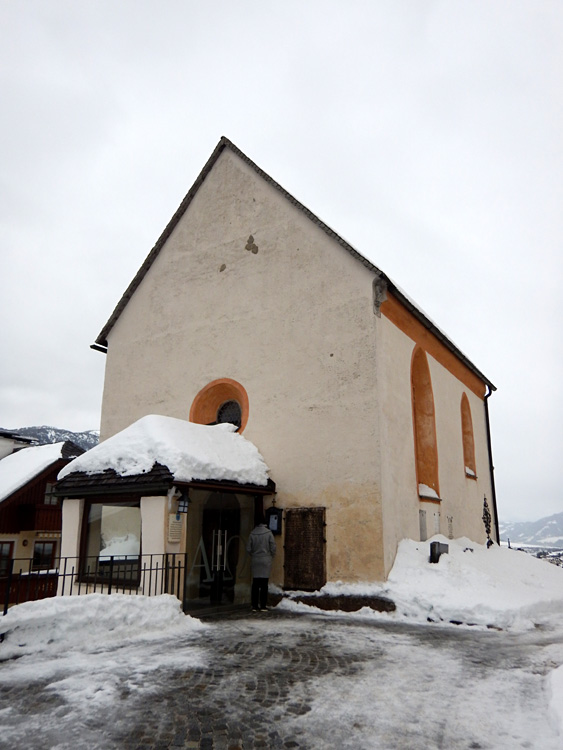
(101, 341)
(19, 468)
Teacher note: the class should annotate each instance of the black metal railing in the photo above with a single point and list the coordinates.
(149, 575)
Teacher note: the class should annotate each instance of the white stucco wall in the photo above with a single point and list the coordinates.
(154, 525)
(461, 497)
(328, 381)
(72, 512)
(293, 323)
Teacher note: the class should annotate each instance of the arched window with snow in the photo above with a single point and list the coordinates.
(426, 448)
(467, 437)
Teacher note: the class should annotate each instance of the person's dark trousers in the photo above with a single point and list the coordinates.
(259, 593)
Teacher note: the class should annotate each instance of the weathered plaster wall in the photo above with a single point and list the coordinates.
(72, 512)
(154, 525)
(20, 551)
(461, 497)
(247, 287)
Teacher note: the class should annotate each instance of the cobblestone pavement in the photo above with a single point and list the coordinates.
(244, 698)
(258, 680)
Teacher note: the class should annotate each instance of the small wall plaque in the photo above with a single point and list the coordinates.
(174, 529)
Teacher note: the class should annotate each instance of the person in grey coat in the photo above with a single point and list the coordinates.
(261, 547)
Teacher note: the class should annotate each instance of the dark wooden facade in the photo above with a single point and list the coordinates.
(25, 509)
(33, 508)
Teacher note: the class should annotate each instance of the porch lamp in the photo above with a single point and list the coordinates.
(183, 502)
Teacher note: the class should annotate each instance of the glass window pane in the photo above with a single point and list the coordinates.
(113, 544)
(43, 554)
(230, 411)
(5, 557)
(120, 532)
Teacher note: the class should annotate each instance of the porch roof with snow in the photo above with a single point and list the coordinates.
(101, 343)
(157, 452)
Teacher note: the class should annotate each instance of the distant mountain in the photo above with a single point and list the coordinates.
(44, 435)
(547, 532)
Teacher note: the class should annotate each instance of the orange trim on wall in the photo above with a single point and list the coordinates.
(207, 402)
(467, 437)
(413, 328)
(424, 422)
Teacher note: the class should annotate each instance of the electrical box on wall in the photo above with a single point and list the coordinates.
(274, 518)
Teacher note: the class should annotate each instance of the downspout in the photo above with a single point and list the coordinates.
(491, 467)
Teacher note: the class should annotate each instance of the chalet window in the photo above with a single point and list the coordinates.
(6, 551)
(50, 498)
(43, 555)
(112, 546)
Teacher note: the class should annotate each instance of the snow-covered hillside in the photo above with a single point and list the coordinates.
(547, 532)
(45, 434)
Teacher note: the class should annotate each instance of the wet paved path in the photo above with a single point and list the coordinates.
(280, 680)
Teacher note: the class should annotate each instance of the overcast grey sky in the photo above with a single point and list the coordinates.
(427, 133)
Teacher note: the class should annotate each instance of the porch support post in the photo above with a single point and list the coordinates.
(71, 534)
(154, 517)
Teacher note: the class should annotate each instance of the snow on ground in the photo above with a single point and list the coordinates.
(93, 639)
(189, 450)
(555, 687)
(474, 585)
(84, 647)
(470, 586)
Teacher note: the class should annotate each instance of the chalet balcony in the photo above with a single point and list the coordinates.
(39, 518)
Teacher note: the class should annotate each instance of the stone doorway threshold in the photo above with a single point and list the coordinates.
(203, 611)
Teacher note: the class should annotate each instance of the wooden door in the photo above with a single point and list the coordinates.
(305, 566)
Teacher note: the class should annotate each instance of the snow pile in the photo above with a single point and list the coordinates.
(191, 451)
(555, 683)
(92, 621)
(21, 467)
(89, 649)
(472, 585)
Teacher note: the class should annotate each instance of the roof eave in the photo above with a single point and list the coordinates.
(101, 340)
(427, 323)
(123, 486)
(101, 343)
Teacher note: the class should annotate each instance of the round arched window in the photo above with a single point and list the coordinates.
(222, 400)
(230, 412)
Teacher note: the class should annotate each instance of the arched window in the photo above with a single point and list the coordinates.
(231, 412)
(467, 437)
(426, 449)
(223, 400)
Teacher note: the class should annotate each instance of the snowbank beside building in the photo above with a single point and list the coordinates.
(473, 585)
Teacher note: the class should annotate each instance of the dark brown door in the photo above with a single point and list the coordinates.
(305, 567)
(221, 518)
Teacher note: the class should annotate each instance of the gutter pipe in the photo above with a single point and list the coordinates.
(491, 466)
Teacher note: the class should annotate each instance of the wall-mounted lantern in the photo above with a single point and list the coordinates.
(183, 502)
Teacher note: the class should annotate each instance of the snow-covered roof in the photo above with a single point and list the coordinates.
(190, 451)
(19, 468)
